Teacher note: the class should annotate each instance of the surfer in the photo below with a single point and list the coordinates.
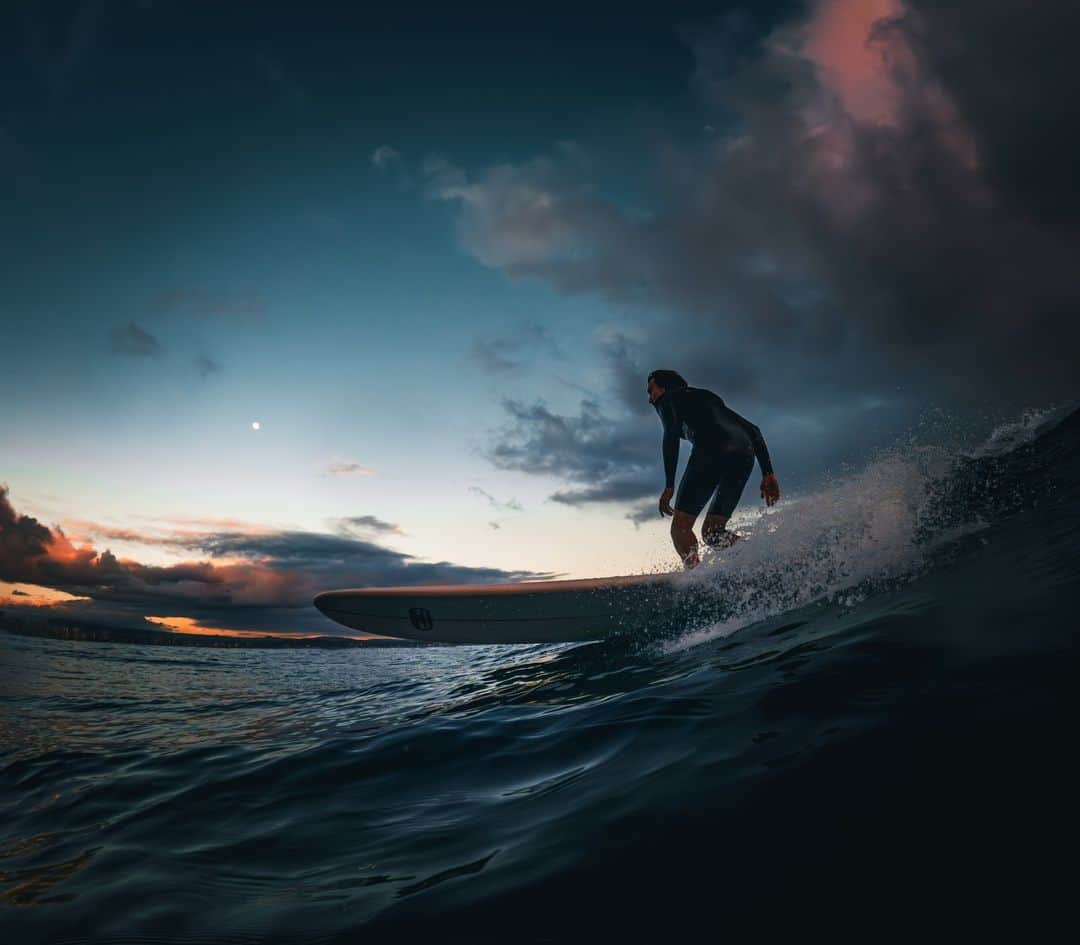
(724, 447)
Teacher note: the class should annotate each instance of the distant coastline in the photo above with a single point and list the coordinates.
(64, 628)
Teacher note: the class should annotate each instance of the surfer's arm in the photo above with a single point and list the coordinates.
(761, 451)
(670, 446)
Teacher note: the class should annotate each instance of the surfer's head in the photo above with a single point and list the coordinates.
(661, 381)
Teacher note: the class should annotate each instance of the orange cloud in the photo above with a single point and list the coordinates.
(34, 554)
(33, 595)
(856, 62)
(250, 577)
(82, 530)
(868, 84)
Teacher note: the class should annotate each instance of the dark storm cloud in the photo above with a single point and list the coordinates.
(288, 550)
(1008, 67)
(864, 218)
(611, 453)
(881, 219)
(22, 538)
(614, 488)
(133, 341)
(263, 571)
(610, 459)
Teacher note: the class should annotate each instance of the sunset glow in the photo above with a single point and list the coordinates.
(193, 626)
(33, 595)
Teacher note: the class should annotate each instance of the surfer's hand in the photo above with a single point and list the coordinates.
(770, 489)
(665, 501)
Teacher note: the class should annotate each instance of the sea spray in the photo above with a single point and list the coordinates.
(859, 533)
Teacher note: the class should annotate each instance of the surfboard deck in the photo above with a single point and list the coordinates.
(529, 612)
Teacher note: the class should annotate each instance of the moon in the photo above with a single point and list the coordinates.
(255, 424)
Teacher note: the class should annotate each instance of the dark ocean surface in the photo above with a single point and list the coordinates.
(873, 732)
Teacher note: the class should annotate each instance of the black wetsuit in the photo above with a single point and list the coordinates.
(725, 445)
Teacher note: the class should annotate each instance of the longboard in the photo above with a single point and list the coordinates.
(530, 612)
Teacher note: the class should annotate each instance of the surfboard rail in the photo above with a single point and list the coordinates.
(521, 612)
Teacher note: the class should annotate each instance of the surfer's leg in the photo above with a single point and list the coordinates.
(695, 487)
(682, 536)
(736, 471)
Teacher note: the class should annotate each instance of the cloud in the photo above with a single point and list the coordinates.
(17, 593)
(496, 355)
(347, 468)
(133, 341)
(510, 505)
(520, 217)
(389, 163)
(610, 459)
(643, 513)
(214, 522)
(880, 207)
(368, 523)
(609, 451)
(384, 156)
(442, 177)
(514, 352)
(611, 489)
(257, 578)
(207, 365)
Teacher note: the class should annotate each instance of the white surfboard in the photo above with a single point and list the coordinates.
(537, 612)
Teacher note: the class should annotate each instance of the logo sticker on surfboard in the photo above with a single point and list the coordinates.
(420, 618)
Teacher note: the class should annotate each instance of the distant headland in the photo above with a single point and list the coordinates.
(65, 628)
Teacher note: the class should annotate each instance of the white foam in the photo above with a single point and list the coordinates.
(1032, 423)
(838, 543)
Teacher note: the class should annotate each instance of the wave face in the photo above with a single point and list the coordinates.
(863, 721)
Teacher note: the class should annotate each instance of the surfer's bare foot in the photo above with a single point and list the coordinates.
(691, 561)
(725, 539)
(715, 535)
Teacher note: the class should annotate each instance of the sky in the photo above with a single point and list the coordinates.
(433, 254)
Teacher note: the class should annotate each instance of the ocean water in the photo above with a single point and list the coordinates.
(865, 725)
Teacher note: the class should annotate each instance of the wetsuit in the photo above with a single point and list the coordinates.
(725, 445)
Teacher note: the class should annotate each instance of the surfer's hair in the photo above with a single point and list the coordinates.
(669, 380)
